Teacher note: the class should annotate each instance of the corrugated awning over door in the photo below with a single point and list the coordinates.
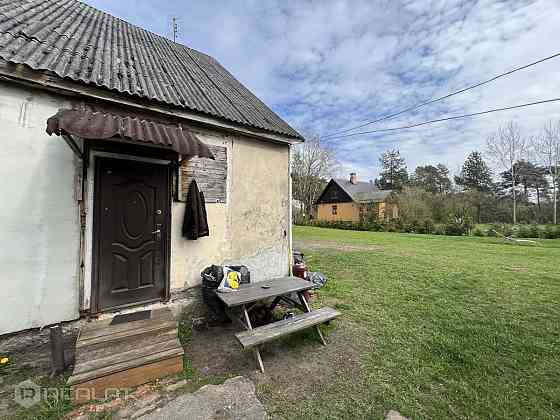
(89, 124)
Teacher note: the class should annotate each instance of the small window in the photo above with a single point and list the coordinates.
(334, 209)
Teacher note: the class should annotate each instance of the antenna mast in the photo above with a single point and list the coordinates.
(175, 28)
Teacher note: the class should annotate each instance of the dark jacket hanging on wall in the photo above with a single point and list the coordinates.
(195, 223)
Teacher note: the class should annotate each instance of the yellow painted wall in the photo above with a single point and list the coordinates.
(348, 212)
(381, 210)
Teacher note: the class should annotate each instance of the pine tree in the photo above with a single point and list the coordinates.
(434, 179)
(394, 175)
(476, 179)
(475, 174)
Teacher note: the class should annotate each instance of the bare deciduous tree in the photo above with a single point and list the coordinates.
(312, 164)
(507, 146)
(547, 147)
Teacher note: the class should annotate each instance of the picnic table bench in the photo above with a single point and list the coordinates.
(281, 289)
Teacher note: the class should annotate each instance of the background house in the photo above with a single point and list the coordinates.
(354, 201)
(96, 226)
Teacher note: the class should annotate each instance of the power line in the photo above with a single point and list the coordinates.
(431, 101)
(474, 114)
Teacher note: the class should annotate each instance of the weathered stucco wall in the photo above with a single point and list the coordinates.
(39, 231)
(252, 227)
(39, 216)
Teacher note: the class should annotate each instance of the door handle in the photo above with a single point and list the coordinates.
(157, 232)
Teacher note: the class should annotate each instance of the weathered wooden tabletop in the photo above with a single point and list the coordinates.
(248, 293)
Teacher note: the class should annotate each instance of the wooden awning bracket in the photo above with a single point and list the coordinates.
(70, 141)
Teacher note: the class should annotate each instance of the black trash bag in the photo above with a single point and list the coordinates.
(318, 279)
(211, 278)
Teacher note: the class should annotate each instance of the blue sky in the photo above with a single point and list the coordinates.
(329, 65)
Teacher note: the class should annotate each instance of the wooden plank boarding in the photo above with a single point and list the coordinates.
(118, 360)
(108, 369)
(124, 335)
(96, 388)
(110, 357)
(210, 175)
(260, 335)
(57, 350)
(97, 351)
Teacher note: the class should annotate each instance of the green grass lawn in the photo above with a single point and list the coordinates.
(455, 327)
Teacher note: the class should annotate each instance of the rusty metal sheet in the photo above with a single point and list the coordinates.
(90, 124)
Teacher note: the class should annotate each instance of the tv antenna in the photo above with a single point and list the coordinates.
(175, 28)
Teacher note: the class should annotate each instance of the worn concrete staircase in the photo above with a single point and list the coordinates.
(112, 356)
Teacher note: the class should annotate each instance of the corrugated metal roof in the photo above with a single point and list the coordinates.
(79, 42)
(362, 191)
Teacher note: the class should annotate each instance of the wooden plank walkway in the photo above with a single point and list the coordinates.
(125, 355)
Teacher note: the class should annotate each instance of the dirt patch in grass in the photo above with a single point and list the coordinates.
(335, 246)
(518, 268)
(298, 369)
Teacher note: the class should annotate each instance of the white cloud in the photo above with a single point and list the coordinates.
(328, 65)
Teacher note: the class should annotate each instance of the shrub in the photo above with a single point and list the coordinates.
(478, 232)
(439, 230)
(374, 225)
(523, 232)
(389, 226)
(550, 232)
(492, 233)
(498, 228)
(508, 230)
(534, 231)
(455, 229)
(413, 227)
(429, 226)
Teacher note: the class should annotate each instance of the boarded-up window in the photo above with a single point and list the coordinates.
(210, 175)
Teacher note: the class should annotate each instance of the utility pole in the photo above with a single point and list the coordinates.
(175, 28)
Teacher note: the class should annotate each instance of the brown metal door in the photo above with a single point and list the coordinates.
(130, 232)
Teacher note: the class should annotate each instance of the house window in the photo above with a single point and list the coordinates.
(334, 209)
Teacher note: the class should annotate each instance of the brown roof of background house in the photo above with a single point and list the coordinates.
(79, 42)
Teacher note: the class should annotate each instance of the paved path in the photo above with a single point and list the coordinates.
(234, 399)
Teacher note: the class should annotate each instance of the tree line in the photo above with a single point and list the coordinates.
(525, 188)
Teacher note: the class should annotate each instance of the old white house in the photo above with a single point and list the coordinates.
(91, 215)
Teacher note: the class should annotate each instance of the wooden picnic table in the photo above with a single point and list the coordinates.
(279, 289)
